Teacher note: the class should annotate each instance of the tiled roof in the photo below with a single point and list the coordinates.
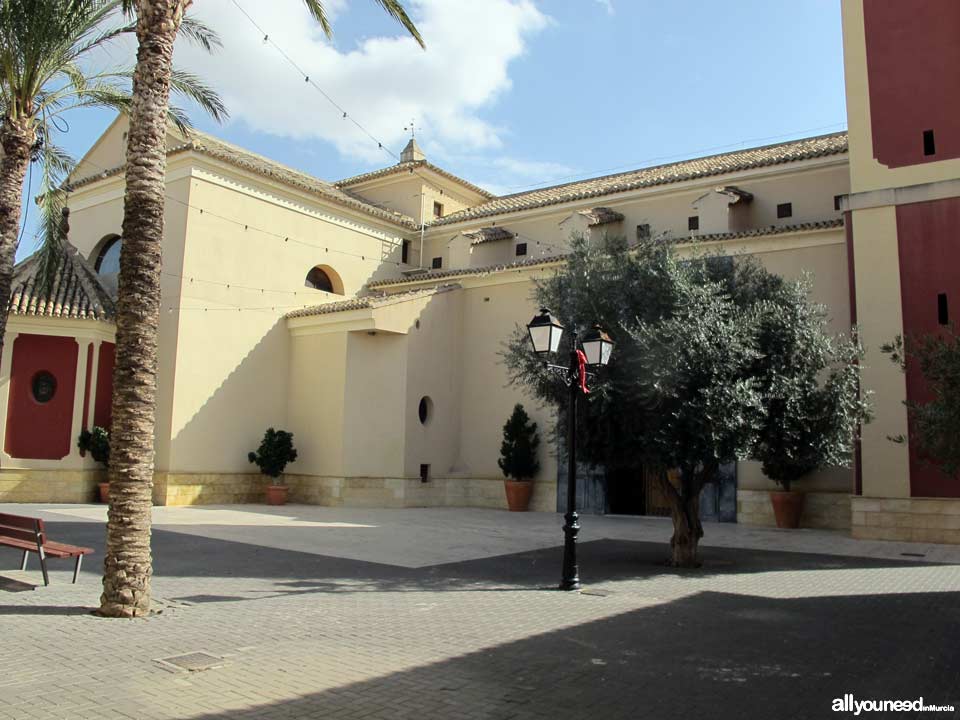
(489, 234)
(441, 274)
(807, 149)
(214, 147)
(601, 216)
(76, 291)
(410, 166)
(369, 301)
(549, 259)
(735, 194)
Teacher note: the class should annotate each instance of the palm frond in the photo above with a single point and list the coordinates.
(190, 86)
(200, 33)
(316, 9)
(395, 9)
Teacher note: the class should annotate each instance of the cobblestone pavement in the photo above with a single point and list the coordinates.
(323, 613)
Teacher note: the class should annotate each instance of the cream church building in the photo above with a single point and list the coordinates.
(366, 315)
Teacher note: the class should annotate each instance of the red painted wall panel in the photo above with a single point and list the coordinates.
(929, 247)
(102, 408)
(913, 65)
(36, 430)
(87, 391)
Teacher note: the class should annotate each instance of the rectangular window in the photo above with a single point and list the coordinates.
(405, 251)
(693, 222)
(837, 202)
(929, 144)
(943, 312)
(437, 209)
(643, 231)
(424, 472)
(521, 249)
(785, 210)
(437, 263)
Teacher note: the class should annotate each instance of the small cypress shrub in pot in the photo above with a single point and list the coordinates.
(518, 458)
(275, 452)
(97, 443)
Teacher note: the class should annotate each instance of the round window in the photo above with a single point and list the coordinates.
(44, 387)
(425, 410)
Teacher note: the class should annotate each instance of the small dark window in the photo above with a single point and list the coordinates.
(693, 222)
(837, 202)
(437, 209)
(425, 409)
(424, 472)
(405, 251)
(785, 210)
(643, 231)
(929, 144)
(437, 263)
(521, 249)
(318, 280)
(943, 312)
(43, 387)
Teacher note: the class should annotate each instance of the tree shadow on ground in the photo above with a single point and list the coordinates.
(297, 573)
(705, 655)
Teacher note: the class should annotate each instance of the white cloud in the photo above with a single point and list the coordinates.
(383, 81)
(606, 5)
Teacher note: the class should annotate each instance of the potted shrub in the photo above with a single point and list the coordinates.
(518, 458)
(97, 443)
(275, 451)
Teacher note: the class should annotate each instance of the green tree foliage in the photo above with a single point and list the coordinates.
(518, 451)
(934, 425)
(275, 451)
(97, 443)
(704, 350)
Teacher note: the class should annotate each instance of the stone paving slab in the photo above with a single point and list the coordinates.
(341, 632)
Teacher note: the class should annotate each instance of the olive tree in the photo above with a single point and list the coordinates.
(704, 350)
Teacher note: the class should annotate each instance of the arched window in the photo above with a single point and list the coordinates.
(324, 278)
(107, 263)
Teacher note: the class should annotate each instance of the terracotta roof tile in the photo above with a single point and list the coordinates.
(550, 259)
(601, 216)
(369, 301)
(214, 147)
(806, 149)
(410, 166)
(76, 291)
(489, 234)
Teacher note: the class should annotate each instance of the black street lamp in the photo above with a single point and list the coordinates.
(545, 333)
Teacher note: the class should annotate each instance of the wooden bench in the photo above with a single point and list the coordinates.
(27, 534)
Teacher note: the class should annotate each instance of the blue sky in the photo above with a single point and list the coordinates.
(513, 94)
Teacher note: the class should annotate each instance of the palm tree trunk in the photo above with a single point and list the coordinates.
(128, 564)
(16, 138)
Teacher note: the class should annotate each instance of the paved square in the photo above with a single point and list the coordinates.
(308, 612)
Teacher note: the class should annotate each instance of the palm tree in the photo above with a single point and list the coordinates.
(128, 564)
(46, 45)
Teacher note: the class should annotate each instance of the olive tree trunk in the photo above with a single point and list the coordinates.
(128, 565)
(16, 138)
(685, 513)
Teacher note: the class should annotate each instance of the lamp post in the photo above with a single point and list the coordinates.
(545, 333)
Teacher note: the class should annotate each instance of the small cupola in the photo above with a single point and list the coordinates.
(412, 152)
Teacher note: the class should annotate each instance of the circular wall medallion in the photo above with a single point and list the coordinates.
(425, 410)
(43, 387)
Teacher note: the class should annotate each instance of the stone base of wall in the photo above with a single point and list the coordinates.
(411, 492)
(823, 510)
(208, 488)
(50, 486)
(80, 486)
(933, 520)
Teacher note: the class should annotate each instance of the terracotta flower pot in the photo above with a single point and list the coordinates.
(518, 494)
(104, 492)
(277, 494)
(787, 507)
